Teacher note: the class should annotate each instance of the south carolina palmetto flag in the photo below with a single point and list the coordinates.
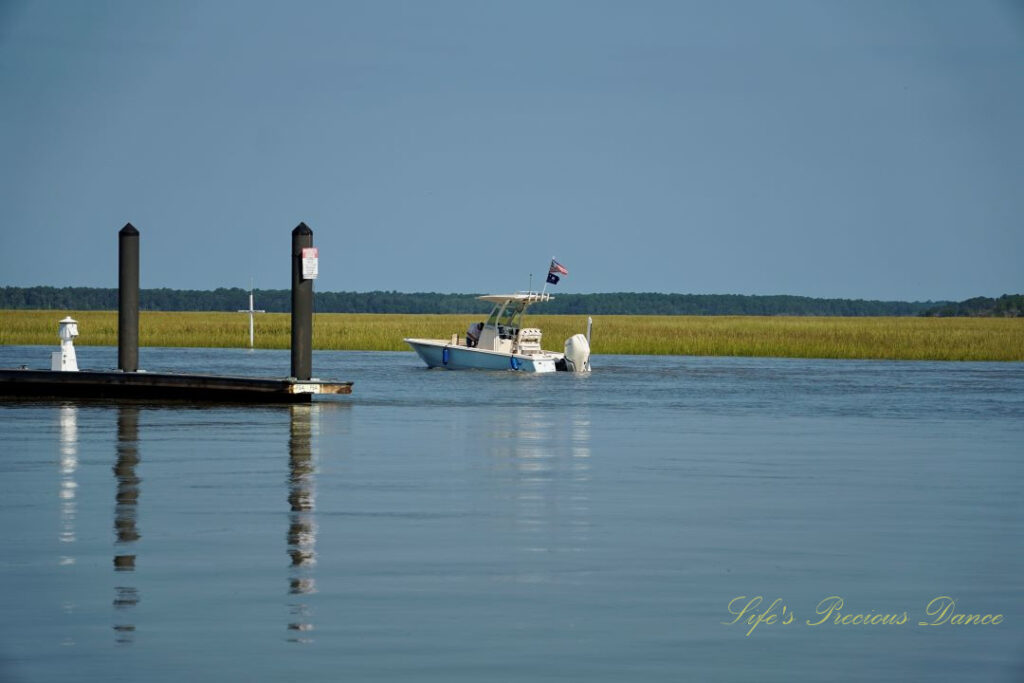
(554, 270)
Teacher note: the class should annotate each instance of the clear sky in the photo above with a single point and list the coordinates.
(860, 149)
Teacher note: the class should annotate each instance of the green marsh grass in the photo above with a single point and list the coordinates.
(993, 339)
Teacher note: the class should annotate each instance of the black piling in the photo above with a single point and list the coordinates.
(128, 299)
(302, 306)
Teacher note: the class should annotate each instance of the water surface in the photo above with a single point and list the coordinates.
(477, 526)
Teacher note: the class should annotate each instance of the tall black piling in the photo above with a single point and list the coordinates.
(302, 306)
(128, 299)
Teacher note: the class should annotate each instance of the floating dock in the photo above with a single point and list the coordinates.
(65, 380)
(160, 385)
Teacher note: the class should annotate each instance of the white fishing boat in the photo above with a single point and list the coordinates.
(504, 344)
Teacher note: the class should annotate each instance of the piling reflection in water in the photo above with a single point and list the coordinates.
(125, 519)
(301, 521)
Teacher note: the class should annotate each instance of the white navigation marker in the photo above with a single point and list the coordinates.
(252, 312)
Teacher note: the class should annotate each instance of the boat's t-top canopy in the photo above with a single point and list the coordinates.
(506, 316)
(527, 297)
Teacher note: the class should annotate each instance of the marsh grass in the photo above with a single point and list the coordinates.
(797, 337)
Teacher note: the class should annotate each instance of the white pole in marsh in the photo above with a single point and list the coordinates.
(252, 312)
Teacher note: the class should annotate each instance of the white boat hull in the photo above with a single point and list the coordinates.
(439, 353)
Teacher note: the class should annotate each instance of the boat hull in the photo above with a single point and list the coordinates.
(441, 354)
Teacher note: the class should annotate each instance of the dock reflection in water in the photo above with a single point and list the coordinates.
(68, 486)
(301, 521)
(125, 520)
(68, 490)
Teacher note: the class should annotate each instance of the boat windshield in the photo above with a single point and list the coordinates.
(507, 318)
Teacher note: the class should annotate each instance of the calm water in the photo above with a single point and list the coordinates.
(441, 526)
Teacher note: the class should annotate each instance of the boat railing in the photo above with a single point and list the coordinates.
(533, 297)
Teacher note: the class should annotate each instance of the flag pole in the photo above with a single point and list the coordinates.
(545, 279)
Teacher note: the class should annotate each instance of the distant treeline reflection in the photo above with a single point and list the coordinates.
(621, 303)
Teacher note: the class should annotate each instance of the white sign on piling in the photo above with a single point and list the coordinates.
(310, 263)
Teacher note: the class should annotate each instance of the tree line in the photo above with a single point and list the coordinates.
(1006, 306)
(619, 303)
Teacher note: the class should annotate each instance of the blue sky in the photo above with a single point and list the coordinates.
(838, 149)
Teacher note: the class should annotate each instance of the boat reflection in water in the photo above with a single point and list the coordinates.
(125, 520)
(301, 521)
(536, 451)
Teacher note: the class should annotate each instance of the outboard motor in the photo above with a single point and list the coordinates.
(577, 354)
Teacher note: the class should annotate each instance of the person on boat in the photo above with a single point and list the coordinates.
(473, 333)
